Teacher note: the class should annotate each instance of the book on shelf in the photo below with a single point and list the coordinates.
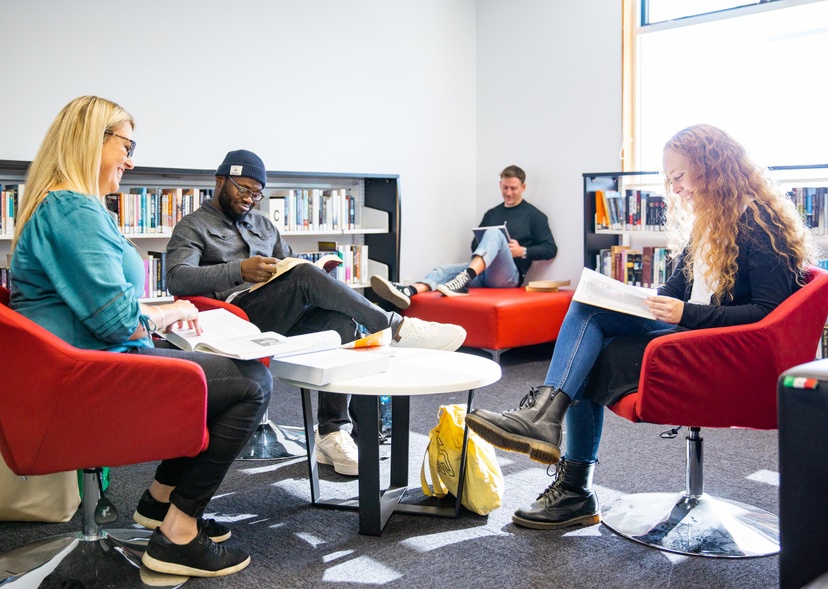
(226, 334)
(479, 231)
(602, 291)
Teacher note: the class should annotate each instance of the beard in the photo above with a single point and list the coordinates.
(226, 202)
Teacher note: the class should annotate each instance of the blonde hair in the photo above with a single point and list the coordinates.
(726, 183)
(70, 155)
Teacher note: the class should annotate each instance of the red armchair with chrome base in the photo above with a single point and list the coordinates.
(63, 409)
(720, 377)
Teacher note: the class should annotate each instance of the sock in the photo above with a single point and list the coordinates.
(472, 274)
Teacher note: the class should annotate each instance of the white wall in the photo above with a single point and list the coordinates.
(443, 92)
(549, 100)
(363, 86)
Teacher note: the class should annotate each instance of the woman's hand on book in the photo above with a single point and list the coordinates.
(665, 309)
(258, 269)
(182, 313)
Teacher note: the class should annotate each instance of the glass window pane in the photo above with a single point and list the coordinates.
(760, 77)
(661, 10)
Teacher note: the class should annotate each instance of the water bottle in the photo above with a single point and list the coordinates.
(385, 413)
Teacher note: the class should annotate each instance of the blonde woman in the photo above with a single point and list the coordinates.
(78, 277)
(740, 249)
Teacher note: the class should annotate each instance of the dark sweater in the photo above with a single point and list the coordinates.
(529, 227)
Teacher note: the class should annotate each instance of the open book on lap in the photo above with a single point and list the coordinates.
(479, 231)
(327, 263)
(226, 334)
(602, 291)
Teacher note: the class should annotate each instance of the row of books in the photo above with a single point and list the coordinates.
(648, 267)
(11, 195)
(641, 210)
(152, 211)
(354, 267)
(812, 204)
(630, 210)
(311, 209)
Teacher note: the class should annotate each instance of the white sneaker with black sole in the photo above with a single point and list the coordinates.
(339, 450)
(416, 333)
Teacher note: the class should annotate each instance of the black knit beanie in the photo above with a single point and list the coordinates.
(243, 163)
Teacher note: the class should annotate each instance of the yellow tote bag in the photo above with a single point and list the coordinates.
(483, 490)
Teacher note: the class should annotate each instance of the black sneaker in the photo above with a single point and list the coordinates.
(457, 286)
(395, 293)
(150, 513)
(199, 558)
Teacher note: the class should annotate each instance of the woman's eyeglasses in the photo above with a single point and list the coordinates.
(245, 192)
(130, 149)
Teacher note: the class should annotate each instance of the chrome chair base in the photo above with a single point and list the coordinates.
(113, 560)
(701, 526)
(275, 442)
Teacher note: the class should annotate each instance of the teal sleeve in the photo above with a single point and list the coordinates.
(84, 258)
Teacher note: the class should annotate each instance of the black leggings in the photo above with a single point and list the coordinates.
(238, 393)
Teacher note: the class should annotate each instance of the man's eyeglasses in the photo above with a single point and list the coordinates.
(130, 149)
(245, 192)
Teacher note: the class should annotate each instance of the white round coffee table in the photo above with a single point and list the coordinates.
(411, 372)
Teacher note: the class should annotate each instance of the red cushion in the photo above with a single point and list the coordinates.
(497, 318)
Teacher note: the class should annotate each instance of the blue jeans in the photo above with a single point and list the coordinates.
(500, 271)
(584, 333)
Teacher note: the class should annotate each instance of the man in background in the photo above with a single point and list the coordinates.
(496, 261)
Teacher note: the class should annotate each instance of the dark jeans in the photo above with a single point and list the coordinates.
(307, 299)
(238, 393)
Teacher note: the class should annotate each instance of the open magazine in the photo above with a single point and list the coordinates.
(479, 231)
(226, 334)
(602, 291)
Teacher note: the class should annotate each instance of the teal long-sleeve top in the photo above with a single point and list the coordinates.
(74, 274)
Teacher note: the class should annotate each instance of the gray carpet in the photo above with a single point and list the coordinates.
(295, 545)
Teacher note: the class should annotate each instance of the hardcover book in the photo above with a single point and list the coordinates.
(479, 231)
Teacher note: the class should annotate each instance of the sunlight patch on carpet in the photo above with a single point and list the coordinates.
(272, 467)
(311, 539)
(429, 542)
(336, 555)
(769, 477)
(361, 571)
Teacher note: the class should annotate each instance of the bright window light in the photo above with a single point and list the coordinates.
(759, 76)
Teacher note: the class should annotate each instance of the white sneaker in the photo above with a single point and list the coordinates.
(416, 333)
(338, 449)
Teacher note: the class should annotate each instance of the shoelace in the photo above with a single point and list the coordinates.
(218, 549)
(555, 490)
(422, 329)
(527, 401)
(458, 282)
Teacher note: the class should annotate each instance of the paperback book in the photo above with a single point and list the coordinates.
(602, 291)
(226, 334)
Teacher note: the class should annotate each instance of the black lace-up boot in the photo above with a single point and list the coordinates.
(569, 501)
(534, 428)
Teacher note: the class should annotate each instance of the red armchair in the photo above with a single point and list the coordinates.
(721, 377)
(63, 409)
(269, 441)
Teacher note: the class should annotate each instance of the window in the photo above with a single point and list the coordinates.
(757, 72)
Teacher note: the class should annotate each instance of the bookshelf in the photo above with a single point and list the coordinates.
(807, 185)
(376, 211)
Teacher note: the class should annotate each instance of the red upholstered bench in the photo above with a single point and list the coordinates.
(497, 319)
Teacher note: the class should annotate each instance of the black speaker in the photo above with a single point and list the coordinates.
(803, 474)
